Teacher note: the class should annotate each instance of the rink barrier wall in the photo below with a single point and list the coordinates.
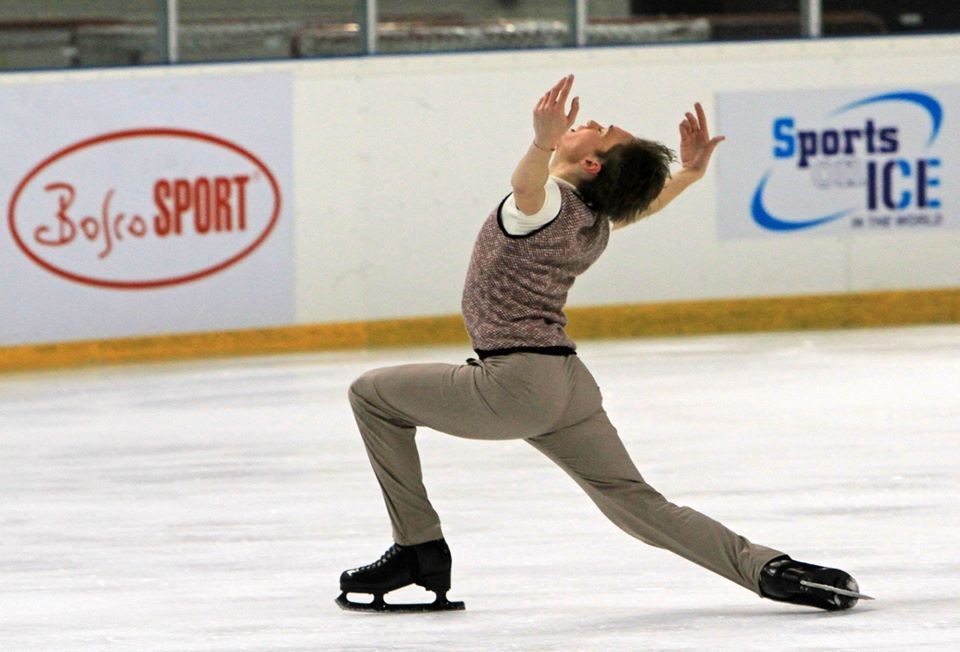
(819, 312)
(379, 204)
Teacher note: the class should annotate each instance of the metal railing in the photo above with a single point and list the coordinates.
(168, 31)
(811, 20)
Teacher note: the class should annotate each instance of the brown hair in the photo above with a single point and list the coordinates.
(631, 176)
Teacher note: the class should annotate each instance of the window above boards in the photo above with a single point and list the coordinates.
(41, 34)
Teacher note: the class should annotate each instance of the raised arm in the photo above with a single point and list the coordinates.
(696, 148)
(550, 122)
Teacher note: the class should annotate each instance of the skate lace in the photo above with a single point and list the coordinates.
(384, 558)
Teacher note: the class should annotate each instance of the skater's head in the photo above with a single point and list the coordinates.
(617, 173)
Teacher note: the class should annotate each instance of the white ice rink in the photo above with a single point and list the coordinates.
(212, 505)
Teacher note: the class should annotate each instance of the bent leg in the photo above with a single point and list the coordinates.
(389, 437)
(592, 453)
(510, 398)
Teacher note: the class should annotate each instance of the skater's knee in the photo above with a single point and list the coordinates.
(362, 389)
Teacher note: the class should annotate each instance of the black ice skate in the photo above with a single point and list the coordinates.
(425, 564)
(787, 580)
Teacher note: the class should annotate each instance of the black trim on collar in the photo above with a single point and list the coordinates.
(525, 235)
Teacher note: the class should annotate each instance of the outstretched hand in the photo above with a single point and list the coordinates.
(696, 145)
(550, 118)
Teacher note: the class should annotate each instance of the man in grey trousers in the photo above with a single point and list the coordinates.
(569, 190)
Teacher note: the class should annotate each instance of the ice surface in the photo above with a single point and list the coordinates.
(212, 505)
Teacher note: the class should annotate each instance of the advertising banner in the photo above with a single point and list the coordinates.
(145, 206)
(841, 161)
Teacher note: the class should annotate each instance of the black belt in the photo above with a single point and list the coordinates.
(543, 350)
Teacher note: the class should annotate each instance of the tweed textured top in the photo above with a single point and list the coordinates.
(517, 286)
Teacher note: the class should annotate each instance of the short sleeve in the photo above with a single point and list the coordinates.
(517, 224)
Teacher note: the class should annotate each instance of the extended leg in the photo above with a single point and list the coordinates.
(592, 453)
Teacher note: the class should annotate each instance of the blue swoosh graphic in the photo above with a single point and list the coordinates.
(930, 104)
(769, 221)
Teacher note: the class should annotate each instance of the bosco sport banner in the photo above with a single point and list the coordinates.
(145, 205)
(839, 161)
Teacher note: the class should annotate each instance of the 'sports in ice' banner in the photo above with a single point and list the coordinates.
(838, 161)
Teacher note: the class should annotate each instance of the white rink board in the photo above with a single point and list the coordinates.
(203, 507)
(438, 138)
(397, 160)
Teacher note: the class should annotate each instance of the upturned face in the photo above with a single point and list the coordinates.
(591, 139)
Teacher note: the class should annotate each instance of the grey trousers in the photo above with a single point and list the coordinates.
(553, 403)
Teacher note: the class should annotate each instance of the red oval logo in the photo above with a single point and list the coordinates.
(144, 208)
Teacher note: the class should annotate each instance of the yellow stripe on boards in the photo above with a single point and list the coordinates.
(821, 312)
(834, 311)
